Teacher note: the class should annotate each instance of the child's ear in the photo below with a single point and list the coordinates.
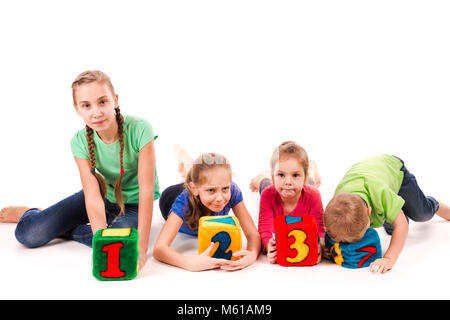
(369, 211)
(193, 189)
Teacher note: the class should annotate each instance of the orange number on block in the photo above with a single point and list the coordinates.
(338, 258)
(299, 245)
(113, 257)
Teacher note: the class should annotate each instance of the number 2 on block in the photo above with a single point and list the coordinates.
(224, 243)
(113, 261)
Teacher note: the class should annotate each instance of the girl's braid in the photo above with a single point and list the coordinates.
(91, 147)
(118, 184)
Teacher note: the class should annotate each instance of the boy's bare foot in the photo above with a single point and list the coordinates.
(185, 161)
(255, 182)
(12, 214)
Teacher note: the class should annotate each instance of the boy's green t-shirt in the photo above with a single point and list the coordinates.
(137, 133)
(377, 180)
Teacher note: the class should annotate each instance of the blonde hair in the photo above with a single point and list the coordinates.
(196, 175)
(290, 149)
(101, 77)
(345, 218)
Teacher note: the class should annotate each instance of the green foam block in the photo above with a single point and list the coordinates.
(115, 254)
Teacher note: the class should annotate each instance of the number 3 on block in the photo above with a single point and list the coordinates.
(299, 245)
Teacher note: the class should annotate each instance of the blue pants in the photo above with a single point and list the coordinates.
(168, 197)
(68, 219)
(418, 207)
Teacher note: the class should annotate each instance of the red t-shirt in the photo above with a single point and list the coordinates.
(271, 205)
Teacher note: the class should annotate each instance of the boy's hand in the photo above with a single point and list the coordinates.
(398, 239)
(382, 265)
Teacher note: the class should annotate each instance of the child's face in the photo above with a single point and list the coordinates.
(288, 178)
(214, 192)
(95, 103)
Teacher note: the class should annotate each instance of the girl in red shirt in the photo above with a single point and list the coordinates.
(290, 194)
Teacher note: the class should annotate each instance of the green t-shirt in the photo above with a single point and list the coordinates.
(137, 133)
(377, 180)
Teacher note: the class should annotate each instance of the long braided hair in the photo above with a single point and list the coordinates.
(88, 77)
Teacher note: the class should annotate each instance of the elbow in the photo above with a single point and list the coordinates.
(255, 238)
(258, 239)
(158, 252)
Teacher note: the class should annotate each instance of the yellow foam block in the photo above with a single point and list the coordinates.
(224, 231)
(116, 232)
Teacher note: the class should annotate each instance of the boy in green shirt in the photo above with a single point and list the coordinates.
(379, 191)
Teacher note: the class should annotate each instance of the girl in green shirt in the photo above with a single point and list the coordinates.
(116, 159)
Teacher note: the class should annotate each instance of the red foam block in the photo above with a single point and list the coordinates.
(297, 240)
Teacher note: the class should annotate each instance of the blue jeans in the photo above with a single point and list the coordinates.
(418, 207)
(168, 197)
(68, 219)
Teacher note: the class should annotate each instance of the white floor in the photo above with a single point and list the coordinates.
(62, 270)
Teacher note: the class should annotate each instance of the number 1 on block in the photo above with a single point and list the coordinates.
(113, 257)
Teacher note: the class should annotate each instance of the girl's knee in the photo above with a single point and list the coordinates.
(29, 236)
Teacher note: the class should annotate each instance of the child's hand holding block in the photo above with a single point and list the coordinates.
(297, 240)
(355, 255)
(115, 254)
(224, 231)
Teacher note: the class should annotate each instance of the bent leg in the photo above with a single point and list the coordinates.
(128, 220)
(263, 184)
(82, 233)
(168, 197)
(37, 227)
(418, 206)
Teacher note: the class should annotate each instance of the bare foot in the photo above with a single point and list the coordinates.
(185, 161)
(314, 174)
(255, 182)
(12, 214)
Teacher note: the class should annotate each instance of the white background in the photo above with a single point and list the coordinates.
(345, 79)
